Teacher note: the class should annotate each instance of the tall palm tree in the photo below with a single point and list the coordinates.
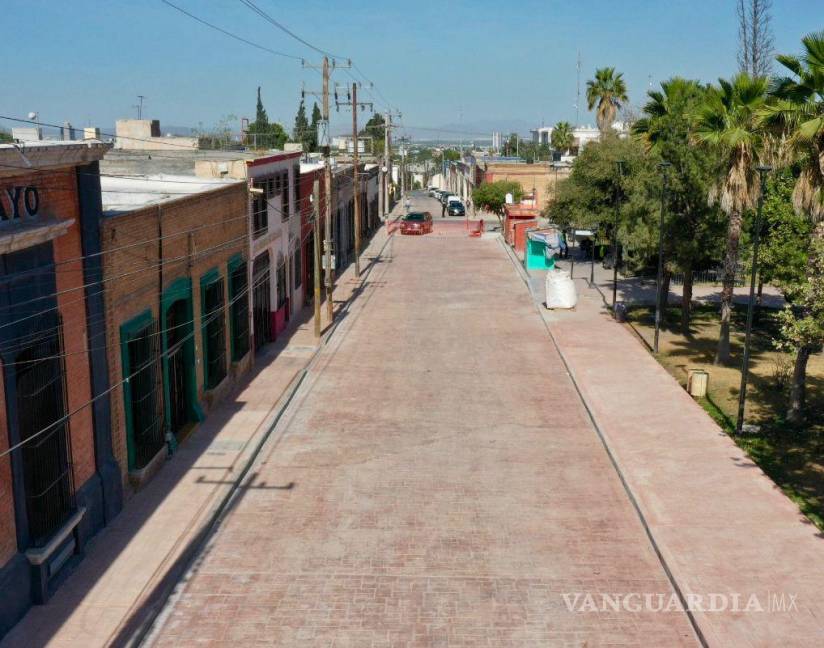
(608, 91)
(798, 114)
(671, 106)
(562, 138)
(728, 122)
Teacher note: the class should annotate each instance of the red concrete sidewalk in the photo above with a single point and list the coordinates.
(129, 563)
(722, 526)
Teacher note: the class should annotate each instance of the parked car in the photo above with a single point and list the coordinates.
(417, 223)
(433, 191)
(445, 197)
(456, 208)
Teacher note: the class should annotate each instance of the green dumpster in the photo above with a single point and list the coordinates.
(536, 257)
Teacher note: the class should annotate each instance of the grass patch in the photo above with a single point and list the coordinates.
(791, 455)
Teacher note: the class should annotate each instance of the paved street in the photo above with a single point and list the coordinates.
(436, 482)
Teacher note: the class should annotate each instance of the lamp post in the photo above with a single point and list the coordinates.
(592, 260)
(763, 170)
(664, 166)
(620, 167)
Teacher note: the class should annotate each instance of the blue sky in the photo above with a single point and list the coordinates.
(438, 62)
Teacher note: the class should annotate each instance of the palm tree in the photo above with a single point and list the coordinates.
(562, 138)
(665, 108)
(798, 114)
(608, 91)
(728, 122)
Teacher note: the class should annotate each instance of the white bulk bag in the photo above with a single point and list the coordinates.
(560, 290)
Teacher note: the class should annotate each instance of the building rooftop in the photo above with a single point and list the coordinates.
(16, 159)
(125, 194)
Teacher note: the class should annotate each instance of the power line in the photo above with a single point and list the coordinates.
(251, 5)
(230, 34)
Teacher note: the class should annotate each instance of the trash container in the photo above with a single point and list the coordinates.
(620, 312)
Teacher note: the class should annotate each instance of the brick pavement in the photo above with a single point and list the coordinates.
(722, 525)
(436, 482)
(128, 563)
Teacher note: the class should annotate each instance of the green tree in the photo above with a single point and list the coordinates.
(491, 196)
(5, 136)
(728, 125)
(301, 132)
(313, 125)
(562, 138)
(693, 225)
(266, 135)
(261, 118)
(608, 92)
(586, 199)
(376, 129)
(797, 117)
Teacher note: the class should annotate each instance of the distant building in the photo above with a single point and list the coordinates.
(345, 144)
(582, 135)
(144, 135)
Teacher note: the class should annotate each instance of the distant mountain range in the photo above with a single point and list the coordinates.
(471, 130)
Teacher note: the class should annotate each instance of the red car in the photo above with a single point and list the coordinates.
(417, 223)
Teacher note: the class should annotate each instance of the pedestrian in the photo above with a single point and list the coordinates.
(443, 210)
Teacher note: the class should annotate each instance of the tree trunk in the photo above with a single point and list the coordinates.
(664, 296)
(686, 301)
(759, 297)
(798, 389)
(722, 355)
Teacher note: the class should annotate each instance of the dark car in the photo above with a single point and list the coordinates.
(456, 208)
(416, 223)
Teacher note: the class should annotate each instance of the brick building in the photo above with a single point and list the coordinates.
(276, 274)
(59, 484)
(175, 264)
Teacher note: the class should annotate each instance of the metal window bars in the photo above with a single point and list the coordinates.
(214, 333)
(146, 407)
(239, 312)
(41, 405)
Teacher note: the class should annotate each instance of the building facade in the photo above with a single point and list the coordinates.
(59, 480)
(175, 259)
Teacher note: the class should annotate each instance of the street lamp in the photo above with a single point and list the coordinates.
(763, 170)
(664, 166)
(620, 167)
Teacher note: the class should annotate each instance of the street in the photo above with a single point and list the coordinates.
(435, 482)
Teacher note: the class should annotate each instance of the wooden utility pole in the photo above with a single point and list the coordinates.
(316, 252)
(356, 185)
(387, 157)
(327, 185)
(356, 177)
(323, 140)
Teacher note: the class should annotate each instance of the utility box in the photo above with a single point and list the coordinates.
(697, 383)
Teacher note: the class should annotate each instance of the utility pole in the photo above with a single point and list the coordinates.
(139, 106)
(327, 185)
(578, 93)
(353, 102)
(316, 252)
(387, 157)
(387, 154)
(323, 139)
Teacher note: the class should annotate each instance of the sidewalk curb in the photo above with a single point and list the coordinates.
(699, 635)
(146, 628)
